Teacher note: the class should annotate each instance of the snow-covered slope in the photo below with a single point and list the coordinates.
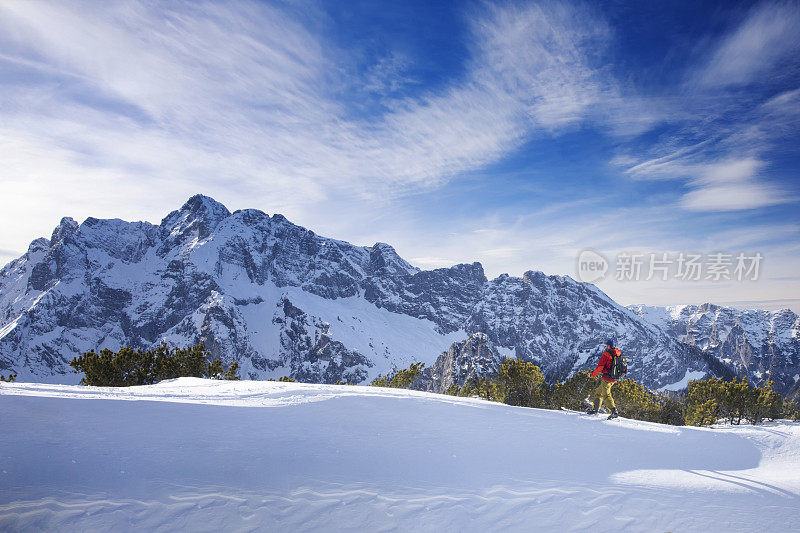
(281, 300)
(196, 455)
(755, 344)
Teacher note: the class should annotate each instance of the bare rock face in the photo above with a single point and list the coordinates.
(474, 357)
(282, 300)
(310, 354)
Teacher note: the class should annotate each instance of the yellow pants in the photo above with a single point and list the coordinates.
(603, 392)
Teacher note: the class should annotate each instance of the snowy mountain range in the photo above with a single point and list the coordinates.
(282, 300)
(755, 344)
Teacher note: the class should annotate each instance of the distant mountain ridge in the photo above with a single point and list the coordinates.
(282, 300)
(755, 344)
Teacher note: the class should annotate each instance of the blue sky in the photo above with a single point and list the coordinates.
(516, 134)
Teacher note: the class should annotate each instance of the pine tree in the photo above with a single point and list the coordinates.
(453, 390)
(703, 401)
(400, 379)
(404, 378)
(129, 367)
(791, 410)
(522, 383)
(571, 393)
(765, 403)
(635, 401)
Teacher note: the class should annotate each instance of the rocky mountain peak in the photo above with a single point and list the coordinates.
(473, 271)
(197, 208)
(65, 228)
(383, 260)
(195, 220)
(535, 278)
(707, 307)
(39, 244)
(205, 206)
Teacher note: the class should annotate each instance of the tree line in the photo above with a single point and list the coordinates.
(518, 383)
(706, 402)
(128, 366)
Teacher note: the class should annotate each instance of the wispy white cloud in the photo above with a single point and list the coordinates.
(767, 36)
(715, 185)
(125, 108)
(731, 171)
(242, 100)
(670, 166)
(732, 185)
(389, 75)
(732, 196)
(721, 151)
(432, 262)
(247, 87)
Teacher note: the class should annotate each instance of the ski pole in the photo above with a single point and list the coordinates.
(580, 393)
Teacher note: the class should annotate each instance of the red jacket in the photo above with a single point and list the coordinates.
(604, 365)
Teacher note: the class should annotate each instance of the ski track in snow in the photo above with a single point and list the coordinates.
(199, 455)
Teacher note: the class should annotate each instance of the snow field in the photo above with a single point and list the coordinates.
(200, 455)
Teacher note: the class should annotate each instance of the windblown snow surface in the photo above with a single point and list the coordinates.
(198, 455)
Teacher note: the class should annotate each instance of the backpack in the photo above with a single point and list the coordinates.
(619, 367)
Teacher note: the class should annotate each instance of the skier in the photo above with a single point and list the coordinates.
(603, 390)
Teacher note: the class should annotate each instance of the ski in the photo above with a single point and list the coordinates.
(611, 416)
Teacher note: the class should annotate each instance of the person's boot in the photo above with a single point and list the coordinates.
(614, 413)
(592, 410)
